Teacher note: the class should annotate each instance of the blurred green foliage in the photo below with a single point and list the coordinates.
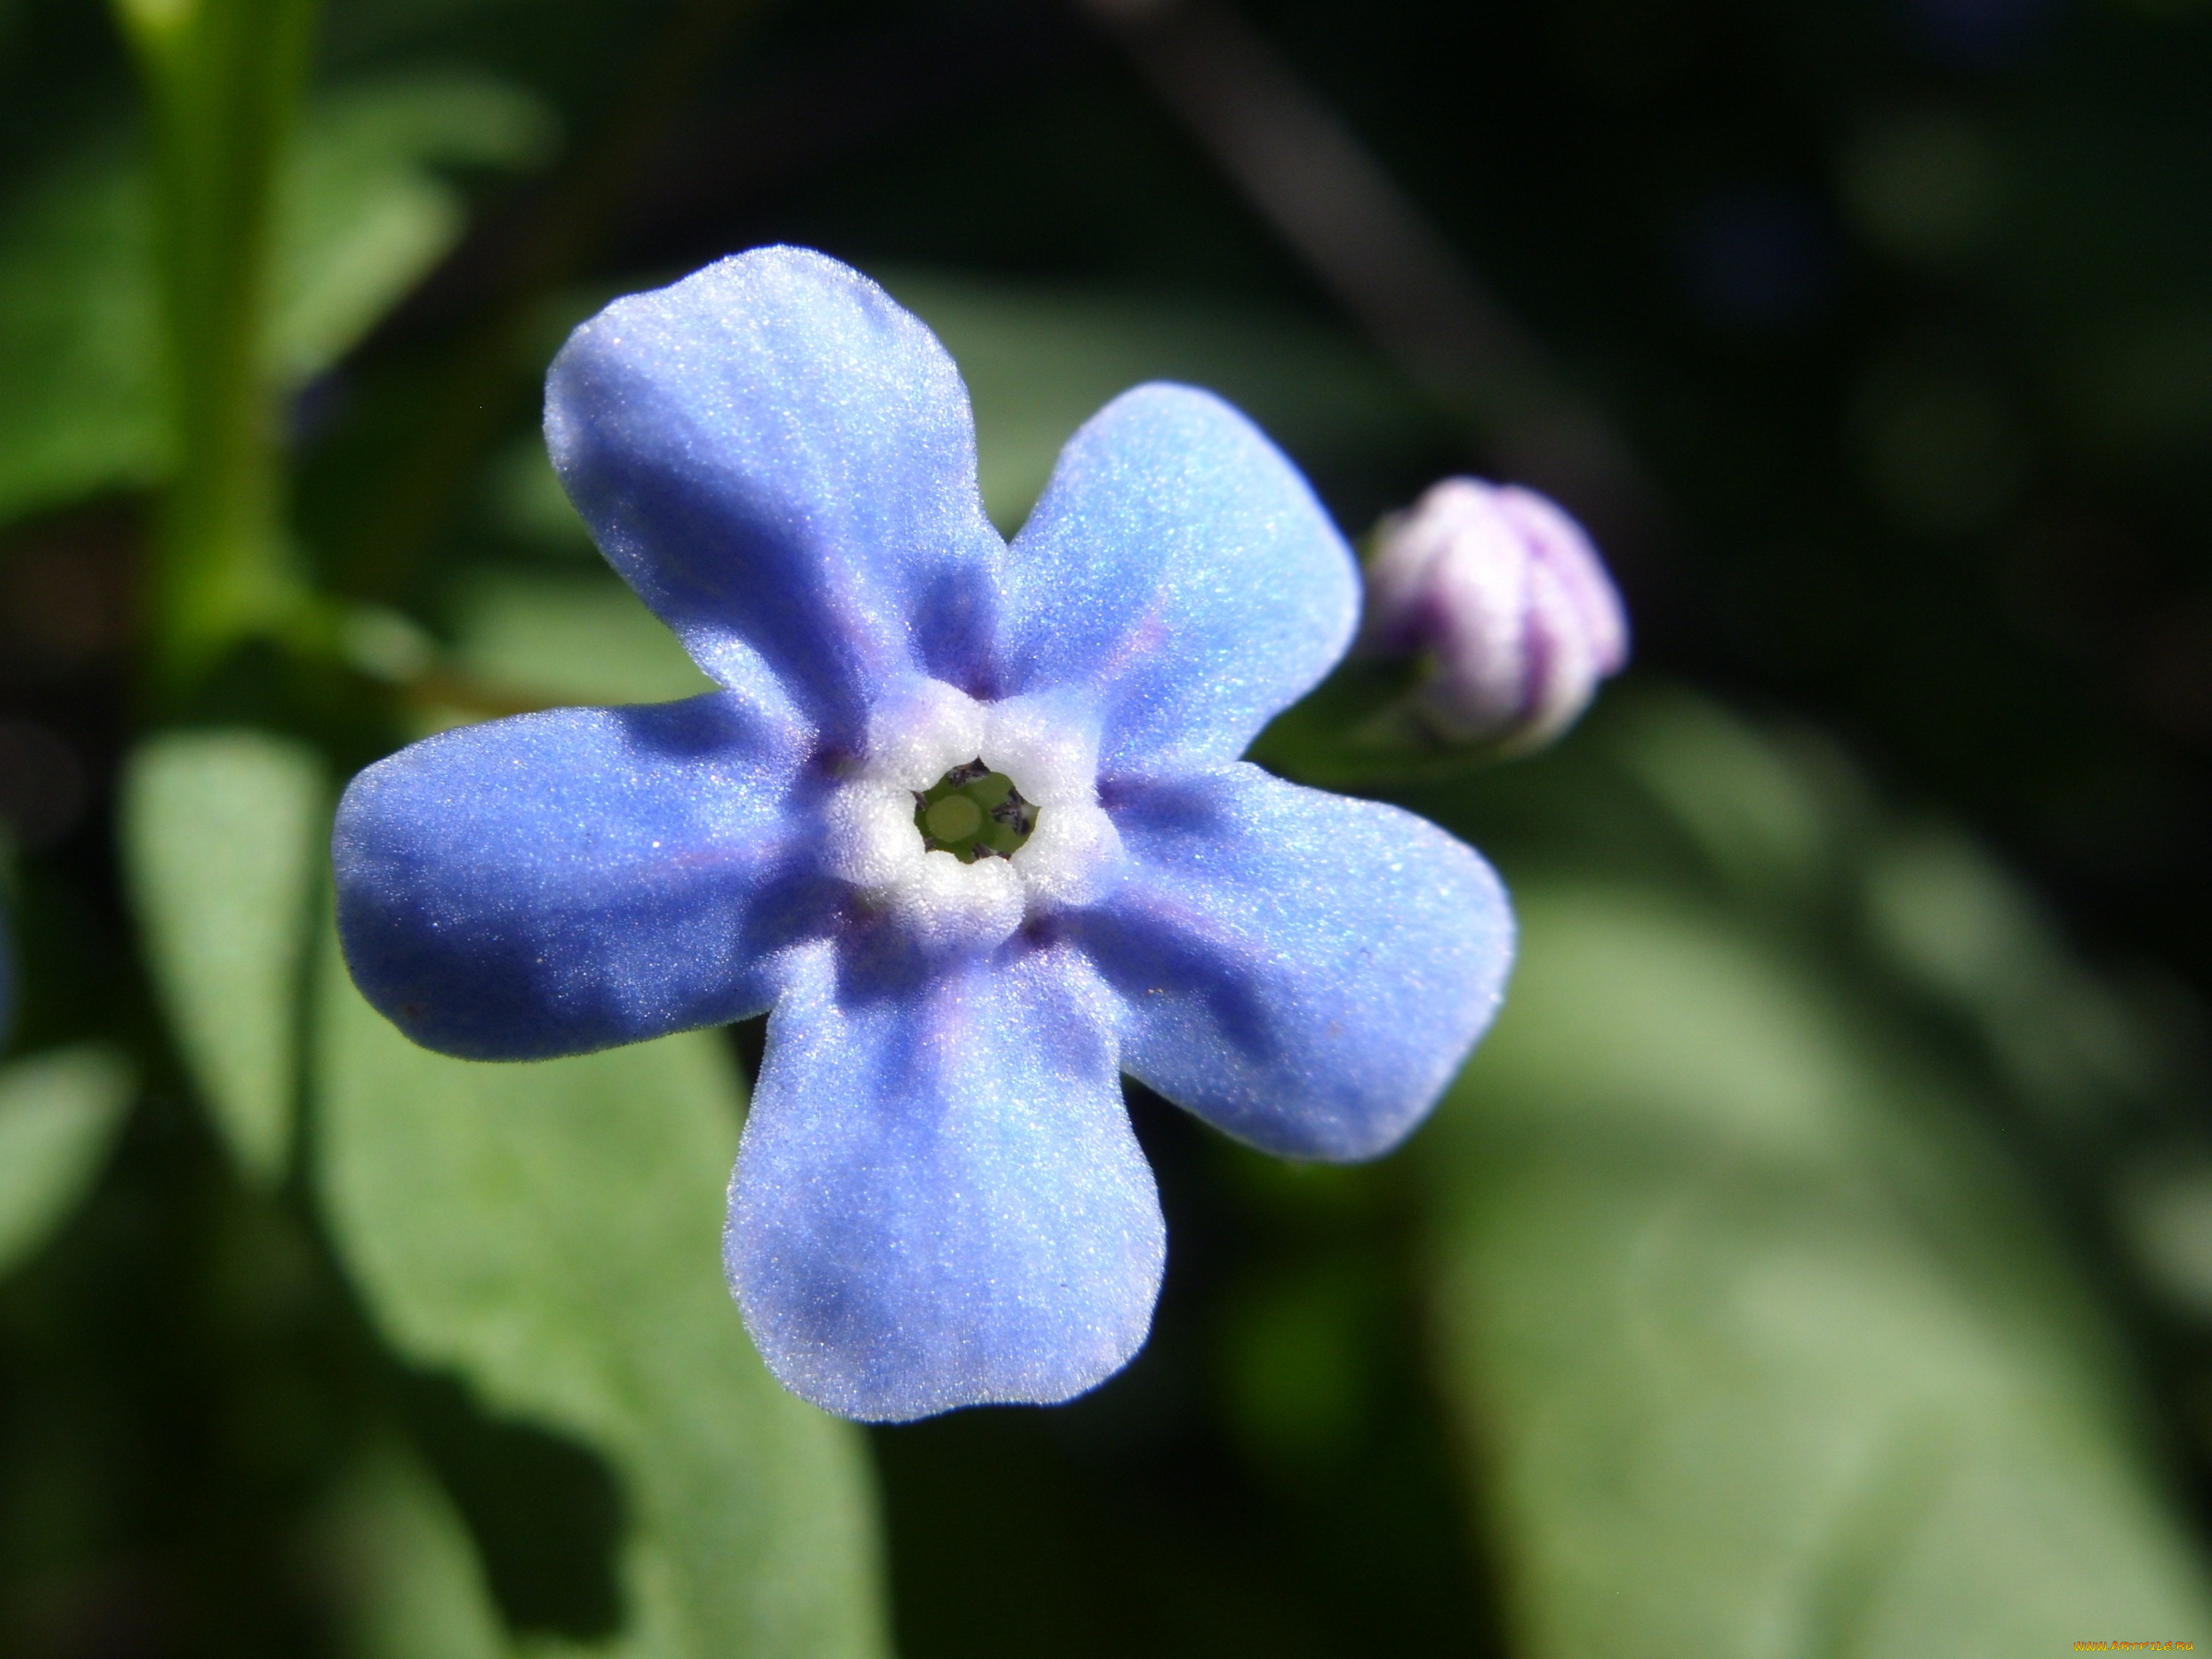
(1818, 1260)
(552, 1234)
(58, 1117)
(222, 833)
(1766, 1341)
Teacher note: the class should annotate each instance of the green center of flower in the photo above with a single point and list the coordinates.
(973, 812)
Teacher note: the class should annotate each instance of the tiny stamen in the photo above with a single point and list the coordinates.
(1017, 814)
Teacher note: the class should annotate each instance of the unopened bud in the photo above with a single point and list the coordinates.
(1507, 599)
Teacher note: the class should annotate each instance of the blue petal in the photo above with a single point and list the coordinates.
(781, 462)
(1178, 568)
(567, 881)
(1303, 970)
(939, 1200)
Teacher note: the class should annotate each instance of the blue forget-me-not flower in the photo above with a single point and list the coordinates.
(966, 819)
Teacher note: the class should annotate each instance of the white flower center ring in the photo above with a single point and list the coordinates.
(1071, 858)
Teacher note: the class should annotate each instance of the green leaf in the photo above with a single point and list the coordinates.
(1952, 922)
(59, 1114)
(366, 214)
(404, 1569)
(552, 1233)
(1765, 810)
(522, 498)
(1040, 360)
(569, 639)
(223, 836)
(79, 381)
(1768, 1349)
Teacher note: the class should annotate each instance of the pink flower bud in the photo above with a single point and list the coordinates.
(1504, 594)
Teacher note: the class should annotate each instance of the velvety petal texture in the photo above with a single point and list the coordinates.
(938, 1199)
(561, 882)
(1303, 970)
(780, 460)
(1179, 570)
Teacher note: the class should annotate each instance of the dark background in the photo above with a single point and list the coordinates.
(1898, 317)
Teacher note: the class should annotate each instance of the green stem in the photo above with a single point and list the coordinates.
(224, 81)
